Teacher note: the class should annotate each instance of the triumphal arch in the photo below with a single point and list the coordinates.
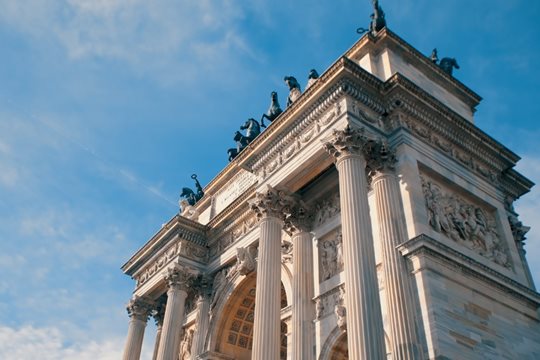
(370, 220)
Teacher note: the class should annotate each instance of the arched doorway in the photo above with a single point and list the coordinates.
(235, 331)
(340, 350)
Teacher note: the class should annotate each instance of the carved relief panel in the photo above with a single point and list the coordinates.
(464, 220)
(330, 255)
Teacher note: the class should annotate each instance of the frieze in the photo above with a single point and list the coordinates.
(180, 247)
(464, 222)
(463, 157)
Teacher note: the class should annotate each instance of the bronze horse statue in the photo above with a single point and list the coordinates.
(448, 64)
(253, 129)
(273, 111)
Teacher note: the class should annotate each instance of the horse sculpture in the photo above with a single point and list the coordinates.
(294, 89)
(190, 195)
(253, 129)
(448, 64)
(273, 111)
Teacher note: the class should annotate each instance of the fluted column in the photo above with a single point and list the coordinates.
(365, 333)
(159, 313)
(269, 207)
(138, 310)
(174, 313)
(203, 311)
(392, 232)
(297, 224)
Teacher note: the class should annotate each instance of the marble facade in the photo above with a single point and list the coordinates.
(371, 220)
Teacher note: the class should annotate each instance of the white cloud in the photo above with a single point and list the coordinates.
(151, 36)
(49, 343)
(528, 208)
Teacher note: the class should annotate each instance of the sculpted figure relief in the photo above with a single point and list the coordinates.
(245, 260)
(464, 223)
(341, 311)
(185, 349)
(331, 257)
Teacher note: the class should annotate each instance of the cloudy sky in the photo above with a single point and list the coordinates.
(108, 106)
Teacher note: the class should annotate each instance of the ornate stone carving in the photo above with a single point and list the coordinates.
(187, 341)
(345, 142)
(340, 310)
(330, 256)
(298, 217)
(139, 308)
(379, 157)
(464, 222)
(220, 282)
(179, 277)
(286, 251)
(245, 260)
(187, 210)
(159, 311)
(325, 303)
(271, 202)
(327, 209)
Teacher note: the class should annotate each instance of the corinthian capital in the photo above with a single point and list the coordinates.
(346, 142)
(178, 278)
(380, 157)
(139, 308)
(298, 218)
(271, 202)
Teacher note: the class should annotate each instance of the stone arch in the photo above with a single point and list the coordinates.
(332, 339)
(335, 346)
(237, 290)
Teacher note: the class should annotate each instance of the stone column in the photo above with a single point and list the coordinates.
(365, 333)
(177, 280)
(297, 224)
(158, 315)
(138, 310)
(269, 207)
(392, 232)
(201, 323)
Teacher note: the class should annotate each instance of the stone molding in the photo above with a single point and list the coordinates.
(425, 245)
(139, 308)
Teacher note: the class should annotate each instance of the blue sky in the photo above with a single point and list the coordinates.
(108, 106)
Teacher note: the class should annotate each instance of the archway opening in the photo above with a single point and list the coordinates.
(235, 336)
(340, 350)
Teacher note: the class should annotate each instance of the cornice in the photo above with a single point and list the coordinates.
(462, 140)
(387, 35)
(178, 226)
(425, 245)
